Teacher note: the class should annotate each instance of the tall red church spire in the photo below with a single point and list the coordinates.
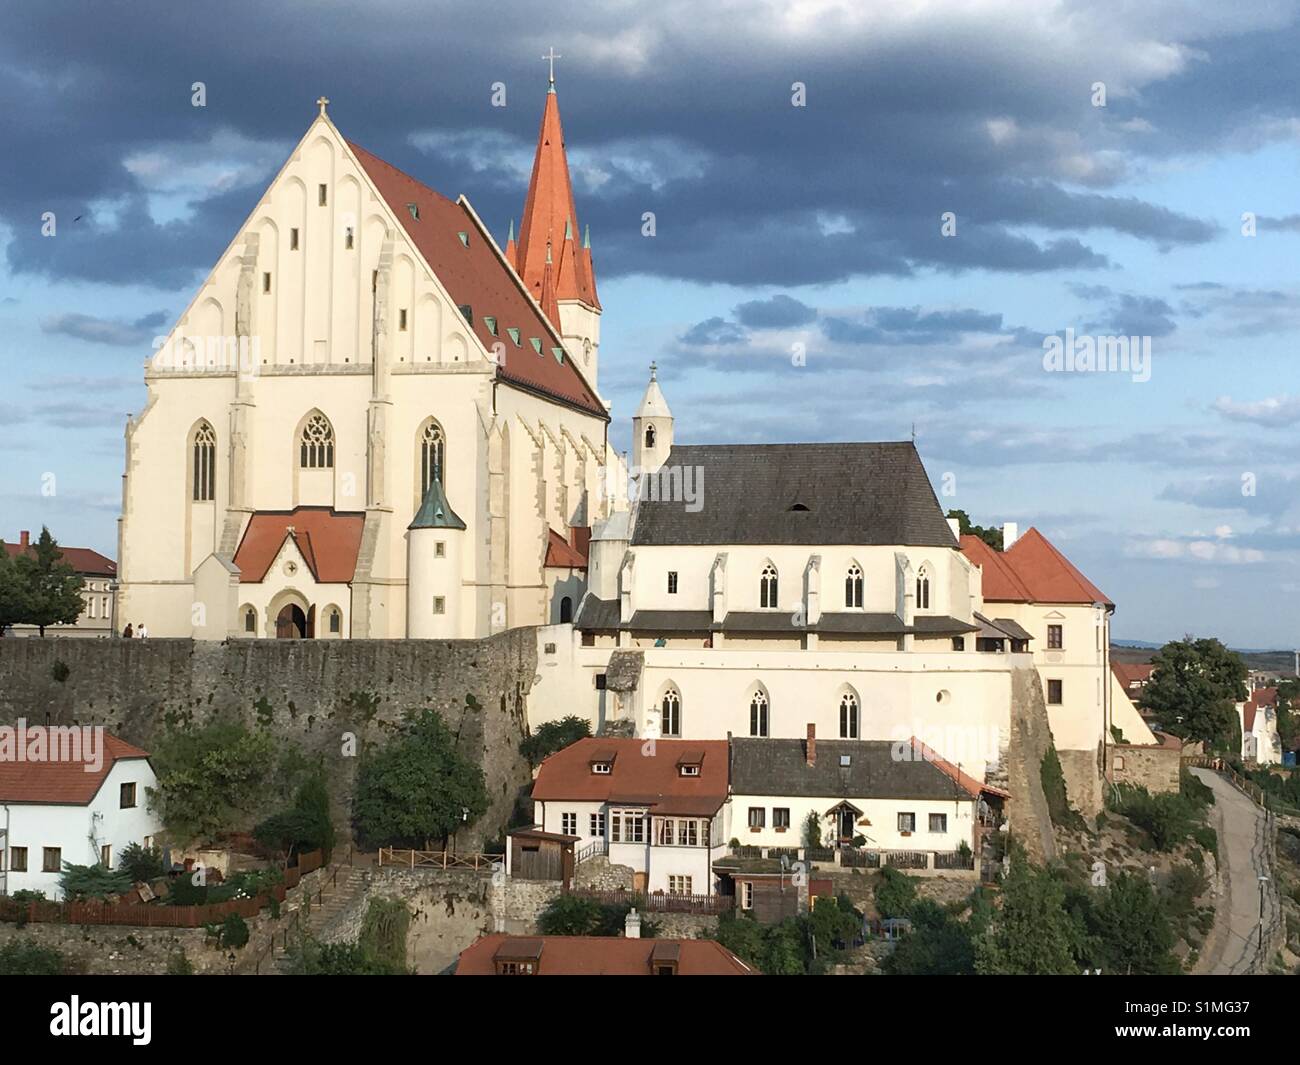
(550, 219)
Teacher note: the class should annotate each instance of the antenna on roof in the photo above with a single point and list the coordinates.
(914, 432)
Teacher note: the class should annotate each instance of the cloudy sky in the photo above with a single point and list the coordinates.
(889, 256)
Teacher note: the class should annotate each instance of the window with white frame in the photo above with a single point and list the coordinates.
(569, 824)
(666, 836)
(853, 587)
(627, 826)
(923, 589)
(747, 895)
(597, 826)
(670, 722)
(757, 817)
(938, 822)
(758, 713)
(781, 818)
(680, 885)
(848, 716)
(907, 822)
(688, 832)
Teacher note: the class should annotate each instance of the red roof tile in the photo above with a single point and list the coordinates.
(562, 554)
(1032, 570)
(327, 540)
(637, 778)
(1265, 697)
(1248, 714)
(601, 956)
(68, 782)
(86, 562)
(475, 275)
(1131, 673)
(963, 780)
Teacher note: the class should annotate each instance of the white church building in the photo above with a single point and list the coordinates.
(363, 352)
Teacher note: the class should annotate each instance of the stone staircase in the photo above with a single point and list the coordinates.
(339, 890)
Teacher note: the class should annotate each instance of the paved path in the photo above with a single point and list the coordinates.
(1233, 948)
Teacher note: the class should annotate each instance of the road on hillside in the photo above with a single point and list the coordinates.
(1233, 948)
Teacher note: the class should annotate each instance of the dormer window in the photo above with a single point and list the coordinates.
(689, 770)
(514, 335)
(688, 765)
(798, 508)
(536, 342)
(414, 209)
(602, 769)
(491, 324)
(464, 238)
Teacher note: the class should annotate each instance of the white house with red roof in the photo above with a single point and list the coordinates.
(1257, 716)
(72, 794)
(365, 363)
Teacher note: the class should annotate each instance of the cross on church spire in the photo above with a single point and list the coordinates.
(322, 102)
(551, 56)
(653, 371)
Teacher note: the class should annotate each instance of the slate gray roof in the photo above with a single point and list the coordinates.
(998, 627)
(671, 620)
(862, 494)
(779, 767)
(596, 614)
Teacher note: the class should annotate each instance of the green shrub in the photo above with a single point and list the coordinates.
(59, 672)
(895, 893)
(28, 895)
(141, 863)
(1058, 801)
(178, 964)
(20, 957)
(552, 736)
(1193, 789)
(1169, 819)
(92, 882)
(234, 932)
(812, 830)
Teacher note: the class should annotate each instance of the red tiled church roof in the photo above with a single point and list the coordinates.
(476, 276)
(66, 782)
(636, 778)
(1032, 570)
(561, 554)
(1131, 673)
(327, 540)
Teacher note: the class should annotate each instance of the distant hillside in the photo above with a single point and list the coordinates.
(1135, 651)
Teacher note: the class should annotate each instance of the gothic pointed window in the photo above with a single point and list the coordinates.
(923, 589)
(205, 464)
(316, 447)
(432, 455)
(758, 713)
(848, 716)
(853, 586)
(670, 721)
(767, 588)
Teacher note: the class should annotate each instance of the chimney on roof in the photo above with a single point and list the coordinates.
(632, 925)
(1010, 534)
(812, 745)
(24, 538)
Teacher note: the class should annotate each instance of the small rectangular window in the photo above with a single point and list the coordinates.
(600, 682)
(569, 824)
(18, 859)
(250, 621)
(440, 549)
(781, 818)
(959, 643)
(1055, 638)
(757, 817)
(347, 239)
(266, 283)
(747, 895)
(401, 320)
(439, 605)
(322, 195)
(293, 240)
(128, 796)
(598, 826)
(601, 769)
(52, 860)
(672, 582)
(907, 822)
(1055, 692)
(938, 822)
(106, 856)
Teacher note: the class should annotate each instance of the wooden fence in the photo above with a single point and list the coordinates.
(414, 859)
(662, 901)
(156, 915)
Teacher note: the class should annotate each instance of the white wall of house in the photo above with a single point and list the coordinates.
(882, 833)
(79, 831)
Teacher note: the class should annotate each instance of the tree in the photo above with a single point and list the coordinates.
(1193, 691)
(812, 830)
(1132, 931)
(418, 787)
(211, 778)
(53, 586)
(92, 882)
(991, 535)
(938, 945)
(895, 893)
(141, 863)
(1034, 933)
(15, 594)
(305, 826)
(552, 736)
(1288, 713)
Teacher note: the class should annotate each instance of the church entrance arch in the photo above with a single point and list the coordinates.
(291, 623)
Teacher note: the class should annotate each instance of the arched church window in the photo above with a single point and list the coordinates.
(566, 610)
(767, 587)
(205, 464)
(848, 716)
(432, 456)
(853, 586)
(670, 721)
(649, 436)
(317, 444)
(250, 620)
(923, 589)
(758, 713)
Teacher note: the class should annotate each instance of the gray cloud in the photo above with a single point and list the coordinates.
(105, 330)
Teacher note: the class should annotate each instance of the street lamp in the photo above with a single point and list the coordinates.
(1262, 881)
